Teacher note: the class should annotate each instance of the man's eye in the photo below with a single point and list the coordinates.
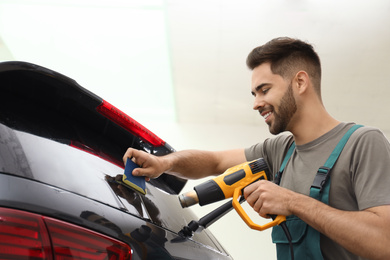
(265, 90)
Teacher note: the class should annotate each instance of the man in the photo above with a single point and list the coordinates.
(353, 222)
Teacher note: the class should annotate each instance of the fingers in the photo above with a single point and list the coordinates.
(138, 157)
(146, 171)
(256, 196)
(268, 198)
(252, 195)
(130, 153)
(149, 165)
(248, 190)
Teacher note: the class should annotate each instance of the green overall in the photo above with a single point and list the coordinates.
(305, 239)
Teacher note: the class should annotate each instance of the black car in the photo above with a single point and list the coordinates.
(61, 150)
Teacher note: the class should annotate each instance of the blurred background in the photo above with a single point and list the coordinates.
(178, 67)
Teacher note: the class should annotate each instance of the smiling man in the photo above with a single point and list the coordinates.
(331, 178)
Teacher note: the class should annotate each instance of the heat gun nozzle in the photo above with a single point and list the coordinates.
(188, 199)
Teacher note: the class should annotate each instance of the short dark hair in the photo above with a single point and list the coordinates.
(287, 56)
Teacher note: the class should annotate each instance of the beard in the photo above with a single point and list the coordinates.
(286, 111)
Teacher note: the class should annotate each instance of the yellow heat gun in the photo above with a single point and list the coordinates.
(231, 184)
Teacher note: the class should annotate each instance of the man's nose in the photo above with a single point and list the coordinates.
(258, 103)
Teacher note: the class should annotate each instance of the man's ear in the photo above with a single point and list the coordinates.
(301, 81)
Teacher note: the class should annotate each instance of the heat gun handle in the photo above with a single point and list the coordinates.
(237, 206)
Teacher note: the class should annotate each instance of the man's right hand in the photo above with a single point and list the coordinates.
(150, 166)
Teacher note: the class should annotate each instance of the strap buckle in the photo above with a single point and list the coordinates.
(322, 176)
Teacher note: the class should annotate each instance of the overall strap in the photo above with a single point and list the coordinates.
(278, 176)
(307, 240)
(320, 183)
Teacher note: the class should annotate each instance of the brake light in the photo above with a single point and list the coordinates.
(23, 236)
(128, 123)
(26, 235)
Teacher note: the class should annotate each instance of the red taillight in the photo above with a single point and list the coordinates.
(74, 242)
(128, 123)
(25, 235)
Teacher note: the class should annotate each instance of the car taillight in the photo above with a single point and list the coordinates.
(128, 123)
(25, 235)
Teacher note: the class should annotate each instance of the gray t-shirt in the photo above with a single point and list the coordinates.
(360, 179)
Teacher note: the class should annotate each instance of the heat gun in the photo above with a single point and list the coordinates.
(231, 184)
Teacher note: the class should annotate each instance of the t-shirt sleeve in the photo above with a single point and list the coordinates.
(272, 150)
(370, 169)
